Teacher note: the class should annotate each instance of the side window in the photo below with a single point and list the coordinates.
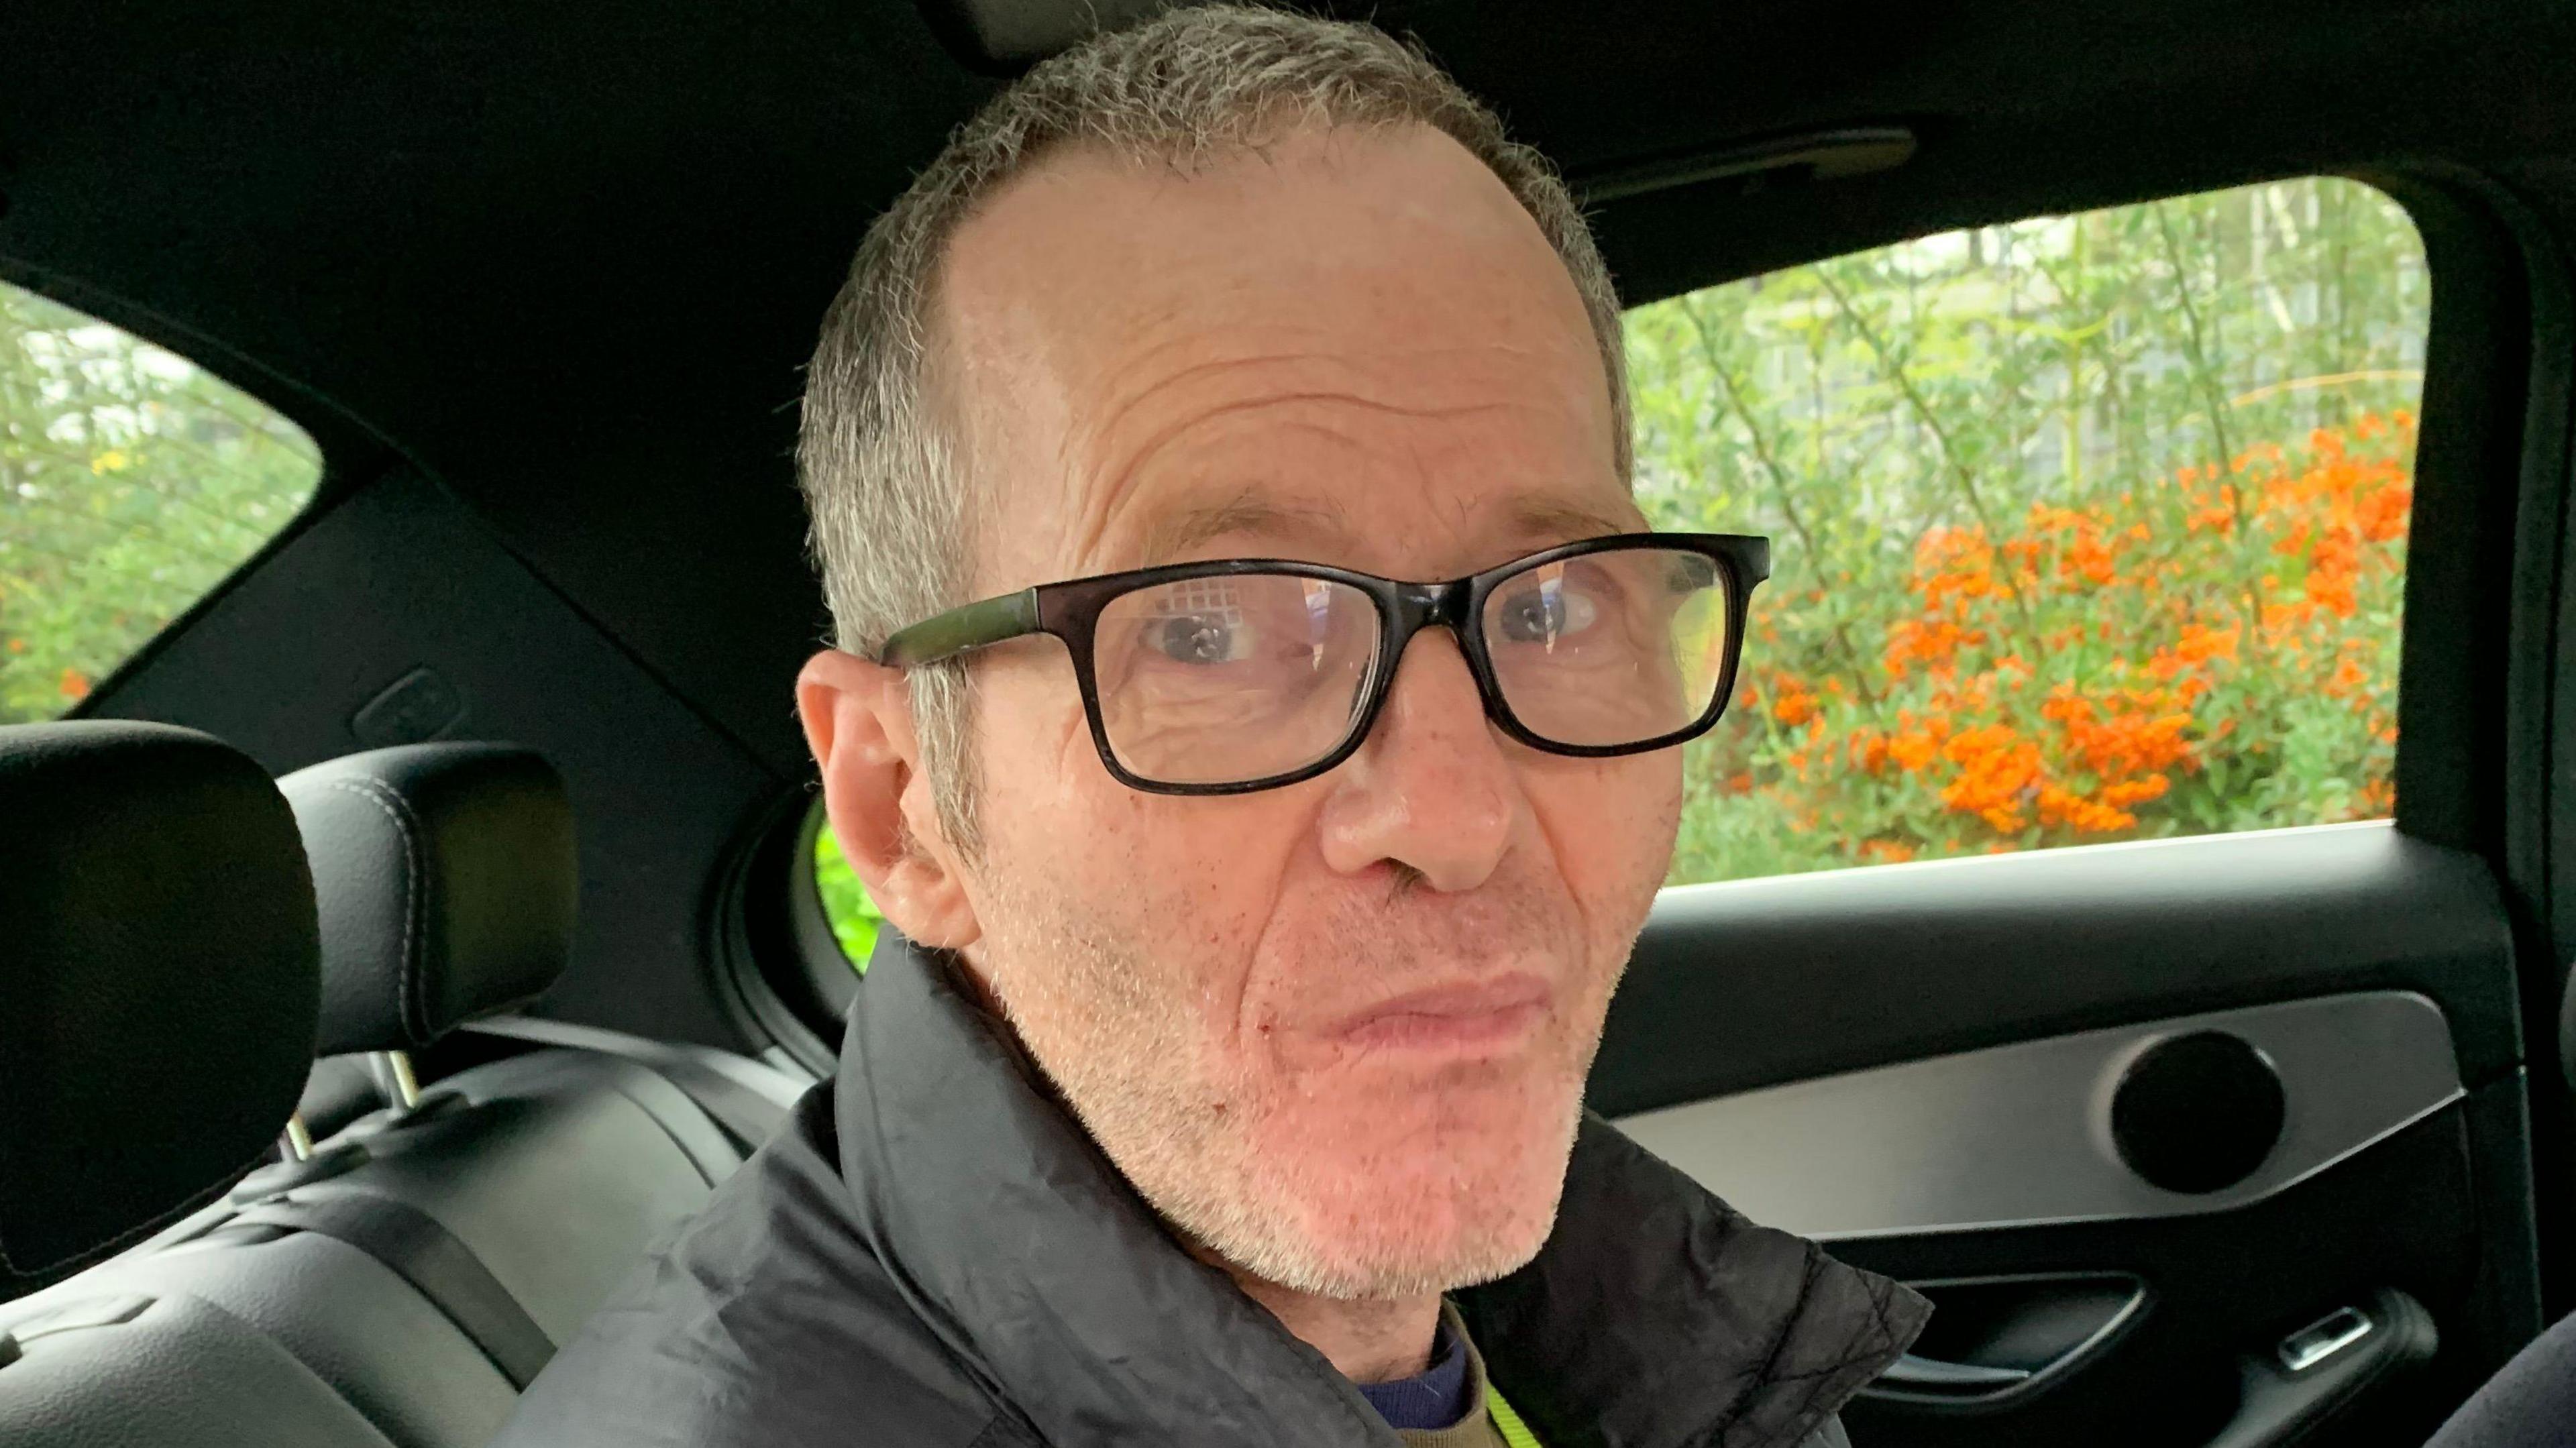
(846, 904)
(2086, 528)
(131, 483)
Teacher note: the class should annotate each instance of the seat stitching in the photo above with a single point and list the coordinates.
(193, 1201)
(415, 902)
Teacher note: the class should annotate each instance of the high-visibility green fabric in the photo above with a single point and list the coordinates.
(1506, 1422)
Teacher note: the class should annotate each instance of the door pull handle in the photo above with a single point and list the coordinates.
(1997, 1341)
(1967, 1380)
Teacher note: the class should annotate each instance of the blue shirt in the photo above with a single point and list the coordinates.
(1432, 1399)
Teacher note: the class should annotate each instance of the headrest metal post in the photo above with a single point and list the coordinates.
(397, 1069)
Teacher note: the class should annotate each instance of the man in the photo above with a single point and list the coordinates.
(1225, 1084)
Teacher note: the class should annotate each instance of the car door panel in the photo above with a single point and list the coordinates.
(1918, 1064)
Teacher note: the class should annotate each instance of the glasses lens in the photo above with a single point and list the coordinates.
(1232, 678)
(1610, 648)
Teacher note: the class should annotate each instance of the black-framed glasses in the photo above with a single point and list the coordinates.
(1243, 674)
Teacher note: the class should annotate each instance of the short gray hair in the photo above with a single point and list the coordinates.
(892, 523)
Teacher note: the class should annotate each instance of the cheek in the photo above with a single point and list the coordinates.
(1032, 750)
(1610, 824)
(1181, 885)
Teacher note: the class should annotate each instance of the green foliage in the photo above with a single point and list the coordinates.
(131, 483)
(846, 904)
(2086, 527)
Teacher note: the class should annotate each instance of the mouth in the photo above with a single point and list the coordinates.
(1467, 1018)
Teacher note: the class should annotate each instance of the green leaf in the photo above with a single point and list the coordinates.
(846, 905)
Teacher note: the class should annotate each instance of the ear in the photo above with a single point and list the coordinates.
(858, 722)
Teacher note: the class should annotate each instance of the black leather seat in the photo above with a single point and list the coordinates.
(515, 1194)
(156, 998)
(448, 877)
(418, 1268)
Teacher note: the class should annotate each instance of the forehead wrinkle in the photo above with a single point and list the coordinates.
(1425, 363)
(1093, 517)
(1119, 485)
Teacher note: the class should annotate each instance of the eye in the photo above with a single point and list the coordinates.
(1209, 637)
(1544, 610)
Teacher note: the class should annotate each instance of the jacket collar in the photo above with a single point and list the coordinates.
(1653, 1316)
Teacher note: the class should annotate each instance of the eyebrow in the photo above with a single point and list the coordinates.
(1534, 519)
(1177, 534)
(1552, 521)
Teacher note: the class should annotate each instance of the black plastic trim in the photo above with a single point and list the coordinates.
(2483, 673)
(1805, 156)
(776, 964)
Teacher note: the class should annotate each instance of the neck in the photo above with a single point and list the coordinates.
(1373, 1340)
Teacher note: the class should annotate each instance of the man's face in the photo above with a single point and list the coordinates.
(1336, 1032)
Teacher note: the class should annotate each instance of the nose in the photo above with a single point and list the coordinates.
(1430, 789)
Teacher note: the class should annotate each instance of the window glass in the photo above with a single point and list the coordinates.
(846, 904)
(131, 483)
(2085, 528)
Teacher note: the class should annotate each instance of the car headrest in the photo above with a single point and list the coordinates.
(158, 963)
(446, 879)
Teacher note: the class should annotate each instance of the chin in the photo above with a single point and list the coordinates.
(1372, 1204)
(1382, 1255)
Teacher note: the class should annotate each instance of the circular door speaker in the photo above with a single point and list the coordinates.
(2198, 1113)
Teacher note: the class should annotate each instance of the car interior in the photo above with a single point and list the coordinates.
(419, 919)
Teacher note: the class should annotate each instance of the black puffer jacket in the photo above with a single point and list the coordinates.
(933, 1254)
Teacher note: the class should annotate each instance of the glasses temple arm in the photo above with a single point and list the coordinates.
(968, 626)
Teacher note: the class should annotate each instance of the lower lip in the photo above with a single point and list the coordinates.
(1417, 1031)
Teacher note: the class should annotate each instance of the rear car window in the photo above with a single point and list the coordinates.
(2085, 528)
(131, 483)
